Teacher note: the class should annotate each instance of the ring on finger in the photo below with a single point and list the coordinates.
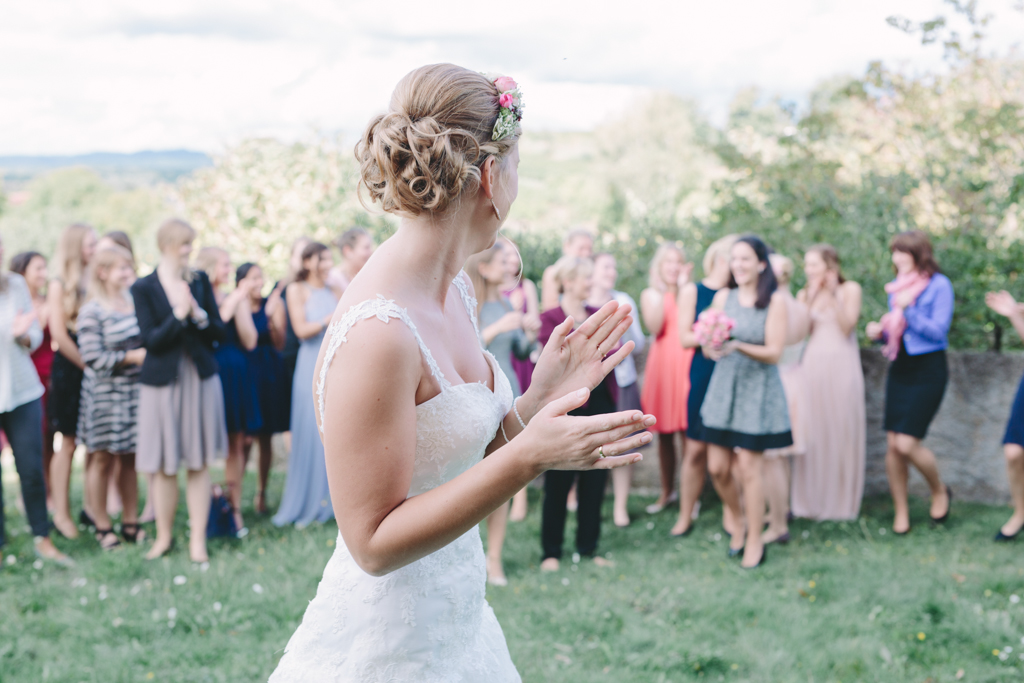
(600, 452)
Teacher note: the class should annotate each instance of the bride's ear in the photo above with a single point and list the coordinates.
(488, 173)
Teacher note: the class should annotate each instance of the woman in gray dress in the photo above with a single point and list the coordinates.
(311, 303)
(745, 410)
(505, 332)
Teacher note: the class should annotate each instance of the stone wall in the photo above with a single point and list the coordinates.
(966, 435)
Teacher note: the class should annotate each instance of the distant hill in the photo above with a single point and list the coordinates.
(141, 167)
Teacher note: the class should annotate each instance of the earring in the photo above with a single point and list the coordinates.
(496, 212)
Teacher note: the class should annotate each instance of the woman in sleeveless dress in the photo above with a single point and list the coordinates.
(502, 333)
(744, 411)
(1004, 304)
(409, 403)
(267, 375)
(828, 476)
(522, 294)
(311, 303)
(31, 265)
(667, 374)
(777, 470)
(694, 298)
(64, 297)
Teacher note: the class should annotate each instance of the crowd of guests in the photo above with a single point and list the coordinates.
(188, 365)
(192, 364)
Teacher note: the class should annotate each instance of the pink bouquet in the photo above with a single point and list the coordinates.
(713, 328)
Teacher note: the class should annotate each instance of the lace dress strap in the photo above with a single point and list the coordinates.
(468, 300)
(384, 310)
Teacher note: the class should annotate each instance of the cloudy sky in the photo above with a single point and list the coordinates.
(117, 75)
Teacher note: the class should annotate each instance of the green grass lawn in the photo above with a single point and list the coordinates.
(842, 602)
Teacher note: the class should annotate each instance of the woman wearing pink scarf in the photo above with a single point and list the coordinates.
(914, 333)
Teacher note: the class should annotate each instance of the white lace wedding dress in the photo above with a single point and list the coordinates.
(428, 621)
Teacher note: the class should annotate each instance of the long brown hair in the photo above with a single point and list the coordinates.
(830, 256)
(70, 269)
(919, 246)
(312, 249)
(472, 269)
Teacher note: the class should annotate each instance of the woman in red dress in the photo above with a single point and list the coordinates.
(667, 375)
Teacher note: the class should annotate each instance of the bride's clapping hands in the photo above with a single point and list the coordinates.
(575, 359)
(560, 441)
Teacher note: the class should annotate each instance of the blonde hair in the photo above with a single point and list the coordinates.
(174, 233)
(104, 260)
(785, 274)
(472, 269)
(719, 249)
(71, 272)
(428, 148)
(575, 234)
(207, 258)
(654, 280)
(570, 268)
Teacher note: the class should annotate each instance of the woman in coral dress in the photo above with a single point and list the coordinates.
(667, 374)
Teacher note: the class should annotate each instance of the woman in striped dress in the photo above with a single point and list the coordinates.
(109, 341)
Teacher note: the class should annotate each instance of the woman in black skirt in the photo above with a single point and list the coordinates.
(914, 334)
(1013, 441)
(64, 297)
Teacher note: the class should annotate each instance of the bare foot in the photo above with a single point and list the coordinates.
(197, 549)
(65, 527)
(48, 551)
(159, 549)
(602, 561)
(518, 512)
(621, 518)
(550, 565)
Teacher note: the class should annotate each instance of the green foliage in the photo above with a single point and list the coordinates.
(69, 195)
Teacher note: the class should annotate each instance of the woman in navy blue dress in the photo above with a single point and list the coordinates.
(1013, 441)
(267, 373)
(241, 404)
(693, 299)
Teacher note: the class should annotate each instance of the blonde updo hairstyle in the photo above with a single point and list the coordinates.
(568, 268)
(105, 260)
(428, 149)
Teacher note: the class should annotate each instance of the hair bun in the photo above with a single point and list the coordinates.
(427, 150)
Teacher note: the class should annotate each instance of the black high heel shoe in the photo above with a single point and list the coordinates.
(1003, 538)
(132, 532)
(689, 530)
(949, 506)
(762, 560)
(86, 520)
(736, 553)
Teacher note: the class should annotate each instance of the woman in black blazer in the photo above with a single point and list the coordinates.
(181, 402)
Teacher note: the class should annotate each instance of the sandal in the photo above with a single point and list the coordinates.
(86, 520)
(101, 536)
(132, 532)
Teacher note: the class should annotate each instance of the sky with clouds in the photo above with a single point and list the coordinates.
(113, 75)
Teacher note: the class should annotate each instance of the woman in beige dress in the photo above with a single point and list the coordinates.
(776, 470)
(828, 479)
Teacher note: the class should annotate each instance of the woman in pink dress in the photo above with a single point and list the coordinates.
(667, 374)
(828, 477)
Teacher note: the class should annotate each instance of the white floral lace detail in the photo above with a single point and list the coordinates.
(384, 310)
(468, 300)
(428, 621)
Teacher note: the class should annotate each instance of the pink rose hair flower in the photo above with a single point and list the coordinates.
(506, 100)
(505, 84)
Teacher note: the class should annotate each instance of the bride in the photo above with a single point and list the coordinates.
(409, 404)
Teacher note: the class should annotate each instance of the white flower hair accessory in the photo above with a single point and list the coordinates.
(510, 99)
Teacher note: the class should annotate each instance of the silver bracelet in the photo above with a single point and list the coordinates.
(516, 411)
